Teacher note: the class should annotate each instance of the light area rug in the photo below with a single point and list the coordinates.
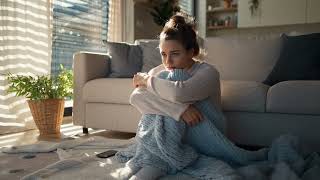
(14, 166)
(76, 160)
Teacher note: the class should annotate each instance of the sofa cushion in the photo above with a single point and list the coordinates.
(243, 59)
(299, 59)
(246, 96)
(294, 97)
(150, 53)
(126, 59)
(108, 90)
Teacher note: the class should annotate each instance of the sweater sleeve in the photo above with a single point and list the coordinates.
(148, 103)
(200, 86)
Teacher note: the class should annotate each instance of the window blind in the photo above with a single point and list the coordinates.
(77, 25)
(187, 6)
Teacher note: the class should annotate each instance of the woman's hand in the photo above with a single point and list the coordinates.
(140, 79)
(192, 116)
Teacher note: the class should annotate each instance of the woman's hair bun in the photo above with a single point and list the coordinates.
(181, 20)
(181, 27)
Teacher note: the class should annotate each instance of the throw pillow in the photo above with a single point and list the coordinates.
(126, 59)
(151, 55)
(299, 59)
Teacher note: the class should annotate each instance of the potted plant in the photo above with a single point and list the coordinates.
(45, 96)
(253, 6)
(227, 3)
(163, 10)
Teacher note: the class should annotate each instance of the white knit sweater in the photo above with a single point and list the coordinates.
(171, 98)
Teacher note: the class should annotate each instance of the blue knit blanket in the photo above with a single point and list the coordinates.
(201, 151)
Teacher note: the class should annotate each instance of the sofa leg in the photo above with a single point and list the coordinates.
(85, 130)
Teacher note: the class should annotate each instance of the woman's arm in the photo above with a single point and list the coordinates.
(201, 85)
(148, 103)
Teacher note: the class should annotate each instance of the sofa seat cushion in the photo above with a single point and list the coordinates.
(294, 97)
(108, 90)
(249, 96)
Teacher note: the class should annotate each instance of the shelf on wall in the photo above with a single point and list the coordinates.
(221, 27)
(219, 17)
(222, 9)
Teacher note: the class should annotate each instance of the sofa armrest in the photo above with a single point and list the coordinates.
(86, 66)
(296, 97)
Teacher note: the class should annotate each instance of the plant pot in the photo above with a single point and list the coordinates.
(226, 4)
(48, 115)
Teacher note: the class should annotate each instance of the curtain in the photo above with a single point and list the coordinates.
(25, 49)
(116, 21)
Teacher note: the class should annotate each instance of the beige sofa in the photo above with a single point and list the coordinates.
(255, 113)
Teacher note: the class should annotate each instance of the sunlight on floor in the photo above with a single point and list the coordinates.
(31, 136)
(68, 129)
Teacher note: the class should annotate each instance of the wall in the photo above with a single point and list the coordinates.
(145, 28)
(258, 32)
(265, 32)
(201, 17)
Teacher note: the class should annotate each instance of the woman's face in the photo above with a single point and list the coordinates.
(174, 55)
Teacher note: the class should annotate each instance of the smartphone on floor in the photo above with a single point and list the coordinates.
(106, 154)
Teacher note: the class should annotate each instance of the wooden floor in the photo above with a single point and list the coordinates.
(67, 129)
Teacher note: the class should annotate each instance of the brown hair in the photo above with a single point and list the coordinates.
(181, 27)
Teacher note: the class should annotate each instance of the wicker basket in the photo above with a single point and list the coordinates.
(48, 115)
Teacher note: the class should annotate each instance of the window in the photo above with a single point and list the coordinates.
(77, 25)
(187, 6)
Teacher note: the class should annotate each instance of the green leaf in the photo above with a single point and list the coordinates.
(163, 11)
(42, 87)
